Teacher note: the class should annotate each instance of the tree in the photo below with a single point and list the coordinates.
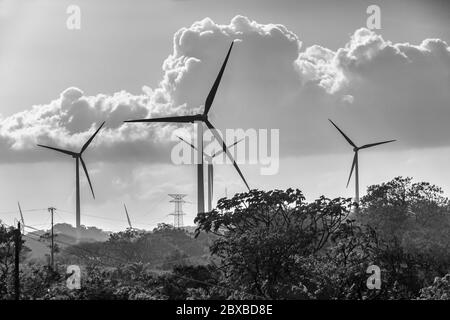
(414, 215)
(7, 236)
(264, 235)
(400, 206)
(7, 251)
(413, 222)
(439, 290)
(163, 248)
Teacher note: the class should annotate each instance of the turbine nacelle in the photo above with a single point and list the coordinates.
(200, 117)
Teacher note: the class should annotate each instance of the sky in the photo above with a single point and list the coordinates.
(294, 64)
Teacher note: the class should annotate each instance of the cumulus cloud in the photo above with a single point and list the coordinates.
(371, 85)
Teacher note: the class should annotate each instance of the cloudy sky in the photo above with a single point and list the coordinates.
(294, 65)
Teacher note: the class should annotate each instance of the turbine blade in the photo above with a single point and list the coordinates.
(375, 144)
(346, 138)
(91, 138)
(235, 143)
(87, 175)
(192, 146)
(128, 217)
(230, 146)
(351, 171)
(225, 149)
(70, 153)
(174, 119)
(217, 153)
(21, 214)
(212, 93)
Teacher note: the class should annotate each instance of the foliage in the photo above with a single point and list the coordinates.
(162, 248)
(263, 235)
(275, 245)
(416, 214)
(263, 245)
(439, 290)
(7, 254)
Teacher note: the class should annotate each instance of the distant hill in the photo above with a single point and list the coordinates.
(160, 249)
(162, 244)
(65, 235)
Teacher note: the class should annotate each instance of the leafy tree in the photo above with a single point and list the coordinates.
(163, 248)
(270, 244)
(7, 256)
(263, 235)
(414, 221)
(408, 211)
(190, 282)
(439, 290)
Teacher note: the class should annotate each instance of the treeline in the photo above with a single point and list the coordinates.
(267, 245)
(161, 249)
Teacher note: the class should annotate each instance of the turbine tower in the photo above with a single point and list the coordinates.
(178, 212)
(209, 159)
(78, 159)
(355, 158)
(201, 119)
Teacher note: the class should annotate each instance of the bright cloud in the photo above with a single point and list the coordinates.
(372, 85)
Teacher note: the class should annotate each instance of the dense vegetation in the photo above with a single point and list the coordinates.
(259, 244)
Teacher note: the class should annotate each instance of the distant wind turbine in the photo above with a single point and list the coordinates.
(199, 119)
(355, 158)
(128, 217)
(209, 159)
(21, 218)
(78, 159)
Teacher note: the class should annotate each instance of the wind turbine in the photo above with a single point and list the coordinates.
(199, 119)
(78, 159)
(21, 218)
(209, 159)
(128, 217)
(355, 158)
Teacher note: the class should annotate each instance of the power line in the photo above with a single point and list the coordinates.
(154, 205)
(104, 218)
(16, 211)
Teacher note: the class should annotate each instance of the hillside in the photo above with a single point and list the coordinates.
(65, 235)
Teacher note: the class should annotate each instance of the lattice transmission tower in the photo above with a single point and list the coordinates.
(178, 213)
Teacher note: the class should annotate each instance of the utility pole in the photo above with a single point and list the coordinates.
(52, 261)
(17, 247)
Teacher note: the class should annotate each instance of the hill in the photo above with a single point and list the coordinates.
(65, 235)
